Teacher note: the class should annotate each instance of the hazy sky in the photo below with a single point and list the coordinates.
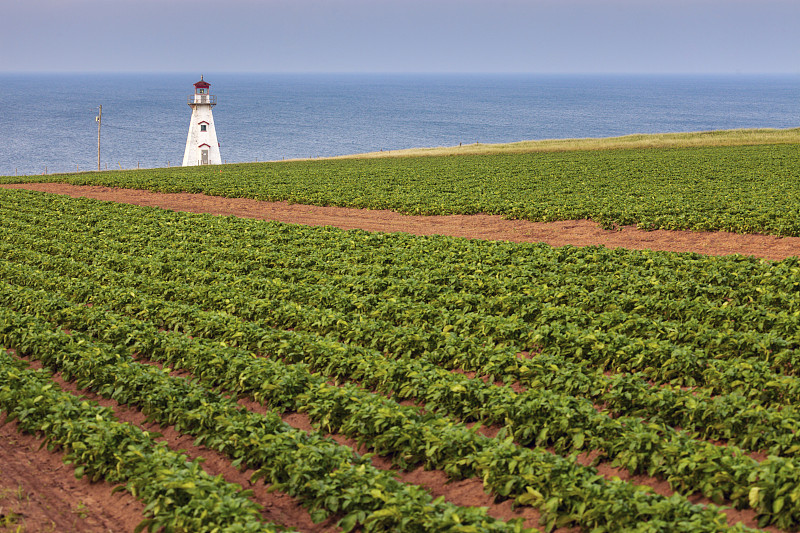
(539, 36)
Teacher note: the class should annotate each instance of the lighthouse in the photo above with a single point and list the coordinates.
(202, 147)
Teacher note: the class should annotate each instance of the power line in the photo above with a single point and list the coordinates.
(124, 129)
(99, 118)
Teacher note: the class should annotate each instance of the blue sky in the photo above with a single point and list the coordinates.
(536, 36)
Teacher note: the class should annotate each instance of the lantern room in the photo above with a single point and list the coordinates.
(202, 94)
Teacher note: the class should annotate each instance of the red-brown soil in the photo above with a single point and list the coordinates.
(38, 492)
(490, 227)
(278, 507)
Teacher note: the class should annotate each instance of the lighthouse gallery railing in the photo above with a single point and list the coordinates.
(202, 99)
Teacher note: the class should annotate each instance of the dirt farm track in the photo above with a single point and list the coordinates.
(490, 227)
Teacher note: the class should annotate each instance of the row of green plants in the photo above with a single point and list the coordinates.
(750, 312)
(613, 340)
(347, 293)
(744, 189)
(330, 479)
(731, 284)
(179, 495)
(534, 417)
(743, 421)
(605, 350)
(592, 344)
(566, 493)
(746, 421)
(777, 346)
(518, 323)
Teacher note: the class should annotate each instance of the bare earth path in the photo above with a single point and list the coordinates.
(490, 227)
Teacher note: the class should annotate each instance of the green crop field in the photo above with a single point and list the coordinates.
(678, 367)
(743, 189)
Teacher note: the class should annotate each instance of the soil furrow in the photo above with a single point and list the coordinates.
(278, 508)
(38, 492)
(470, 492)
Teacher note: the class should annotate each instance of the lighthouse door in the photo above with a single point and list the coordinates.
(203, 157)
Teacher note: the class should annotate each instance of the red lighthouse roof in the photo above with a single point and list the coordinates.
(202, 84)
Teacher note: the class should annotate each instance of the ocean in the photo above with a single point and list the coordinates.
(48, 120)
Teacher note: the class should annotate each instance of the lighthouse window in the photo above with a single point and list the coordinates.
(202, 127)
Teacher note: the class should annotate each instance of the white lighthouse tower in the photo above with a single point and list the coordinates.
(202, 147)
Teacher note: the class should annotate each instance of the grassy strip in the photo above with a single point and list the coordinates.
(737, 137)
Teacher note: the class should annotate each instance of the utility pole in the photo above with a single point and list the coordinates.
(98, 118)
